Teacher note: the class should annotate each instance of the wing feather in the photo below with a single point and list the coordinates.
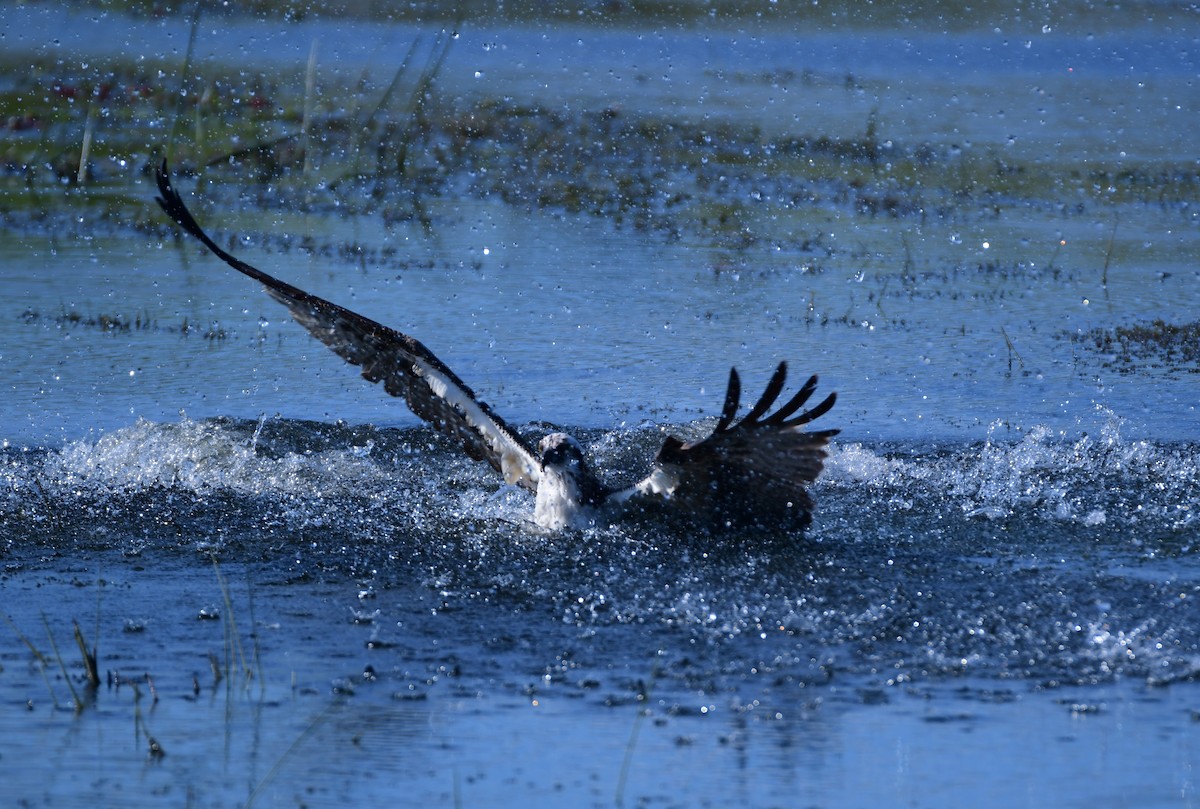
(403, 364)
(774, 388)
(759, 466)
(780, 416)
(733, 394)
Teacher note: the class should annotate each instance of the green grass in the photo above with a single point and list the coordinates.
(302, 139)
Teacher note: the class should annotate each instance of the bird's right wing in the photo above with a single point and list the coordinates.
(405, 367)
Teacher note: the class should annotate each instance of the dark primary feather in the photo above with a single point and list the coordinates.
(774, 388)
(403, 364)
(779, 419)
(733, 395)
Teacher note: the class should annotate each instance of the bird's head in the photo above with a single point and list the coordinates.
(563, 460)
(561, 451)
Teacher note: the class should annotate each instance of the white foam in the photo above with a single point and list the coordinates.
(1089, 480)
(203, 455)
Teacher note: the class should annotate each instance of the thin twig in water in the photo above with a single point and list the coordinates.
(63, 666)
(233, 643)
(1012, 352)
(304, 734)
(258, 663)
(368, 124)
(215, 665)
(183, 82)
(415, 112)
(1057, 246)
(627, 761)
(310, 81)
(86, 149)
(89, 657)
(1108, 254)
(910, 267)
(41, 658)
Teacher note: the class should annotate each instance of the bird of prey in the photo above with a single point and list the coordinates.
(753, 470)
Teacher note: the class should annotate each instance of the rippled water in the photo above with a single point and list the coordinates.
(997, 603)
(390, 603)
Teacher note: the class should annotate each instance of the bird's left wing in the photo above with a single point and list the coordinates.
(763, 462)
(405, 367)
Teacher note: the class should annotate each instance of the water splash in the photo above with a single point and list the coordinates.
(1089, 481)
(1048, 558)
(203, 456)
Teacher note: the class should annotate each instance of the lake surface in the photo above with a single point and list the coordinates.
(301, 596)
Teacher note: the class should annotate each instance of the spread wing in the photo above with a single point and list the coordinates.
(405, 367)
(760, 465)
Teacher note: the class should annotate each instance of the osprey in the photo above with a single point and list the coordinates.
(750, 470)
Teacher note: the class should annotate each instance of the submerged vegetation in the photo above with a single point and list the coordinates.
(81, 139)
(82, 136)
(1147, 346)
(123, 323)
(834, 15)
